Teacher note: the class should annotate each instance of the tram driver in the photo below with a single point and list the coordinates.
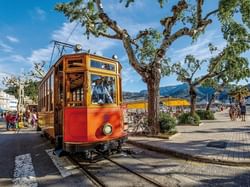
(100, 92)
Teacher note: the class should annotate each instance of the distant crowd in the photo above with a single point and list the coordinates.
(238, 111)
(16, 120)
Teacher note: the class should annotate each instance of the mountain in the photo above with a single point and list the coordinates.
(178, 91)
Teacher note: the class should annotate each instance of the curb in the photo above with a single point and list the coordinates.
(189, 156)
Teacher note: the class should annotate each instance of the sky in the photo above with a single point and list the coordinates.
(28, 27)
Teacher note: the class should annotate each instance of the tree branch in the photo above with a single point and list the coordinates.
(107, 20)
(210, 13)
(199, 11)
(168, 22)
(115, 36)
(122, 35)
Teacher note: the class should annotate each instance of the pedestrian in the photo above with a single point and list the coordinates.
(33, 119)
(243, 112)
(7, 120)
(232, 112)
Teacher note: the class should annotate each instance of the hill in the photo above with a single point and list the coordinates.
(179, 91)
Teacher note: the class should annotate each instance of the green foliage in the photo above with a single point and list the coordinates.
(12, 90)
(167, 123)
(229, 8)
(30, 87)
(86, 14)
(205, 114)
(148, 45)
(188, 119)
(31, 90)
(188, 70)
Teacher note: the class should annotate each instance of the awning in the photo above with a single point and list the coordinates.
(166, 101)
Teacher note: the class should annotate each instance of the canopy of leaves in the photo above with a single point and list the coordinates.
(30, 87)
(239, 92)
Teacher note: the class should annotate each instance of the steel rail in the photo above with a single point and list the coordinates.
(86, 172)
(152, 181)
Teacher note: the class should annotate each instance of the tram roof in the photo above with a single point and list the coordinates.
(83, 54)
(78, 54)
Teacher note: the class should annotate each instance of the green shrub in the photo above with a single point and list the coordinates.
(187, 118)
(167, 123)
(205, 114)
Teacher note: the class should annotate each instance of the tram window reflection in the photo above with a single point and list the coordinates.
(103, 89)
(102, 65)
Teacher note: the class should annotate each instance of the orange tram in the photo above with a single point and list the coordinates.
(80, 104)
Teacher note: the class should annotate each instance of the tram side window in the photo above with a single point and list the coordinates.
(103, 89)
(101, 65)
(51, 92)
(74, 87)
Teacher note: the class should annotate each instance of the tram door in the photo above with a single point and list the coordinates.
(59, 104)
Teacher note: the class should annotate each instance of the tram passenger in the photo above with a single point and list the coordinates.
(100, 93)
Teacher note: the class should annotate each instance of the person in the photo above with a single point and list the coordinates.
(100, 93)
(7, 120)
(232, 112)
(33, 119)
(243, 110)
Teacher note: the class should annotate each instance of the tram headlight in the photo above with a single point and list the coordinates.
(107, 129)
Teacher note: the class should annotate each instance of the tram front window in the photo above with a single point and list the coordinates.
(75, 89)
(103, 89)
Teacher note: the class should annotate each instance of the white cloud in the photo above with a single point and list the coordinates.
(13, 58)
(40, 55)
(12, 39)
(38, 14)
(5, 48)
(95, 45)
(200, 48)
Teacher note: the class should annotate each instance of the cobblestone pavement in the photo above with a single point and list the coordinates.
(191, 141)
(195, 174)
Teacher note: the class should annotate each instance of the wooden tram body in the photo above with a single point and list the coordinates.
(76, 116)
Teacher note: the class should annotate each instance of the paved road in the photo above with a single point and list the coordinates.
(24, 145)
(28, 144)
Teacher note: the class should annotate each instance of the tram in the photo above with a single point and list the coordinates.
(80, 104)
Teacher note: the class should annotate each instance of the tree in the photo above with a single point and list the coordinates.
(228, 63)
(147, 50)
(239, 92)
(228, 66)
(12, 84)
(38, 71)
(225, 79)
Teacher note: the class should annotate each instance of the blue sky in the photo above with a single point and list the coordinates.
(27, 28)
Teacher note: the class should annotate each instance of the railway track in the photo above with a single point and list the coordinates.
(87, 173)
(100, 182)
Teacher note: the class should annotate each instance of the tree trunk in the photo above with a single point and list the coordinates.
(211, 100)
(153, 104)
(193, 95)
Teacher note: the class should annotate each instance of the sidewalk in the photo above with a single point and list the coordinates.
(191, 141)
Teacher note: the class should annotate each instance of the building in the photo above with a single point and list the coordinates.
(7, 102)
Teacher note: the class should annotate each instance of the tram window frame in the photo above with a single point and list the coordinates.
(102, 65)
(75, 96)
(75, 63)
(47, 94)
(105, 93)
(52, 92)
